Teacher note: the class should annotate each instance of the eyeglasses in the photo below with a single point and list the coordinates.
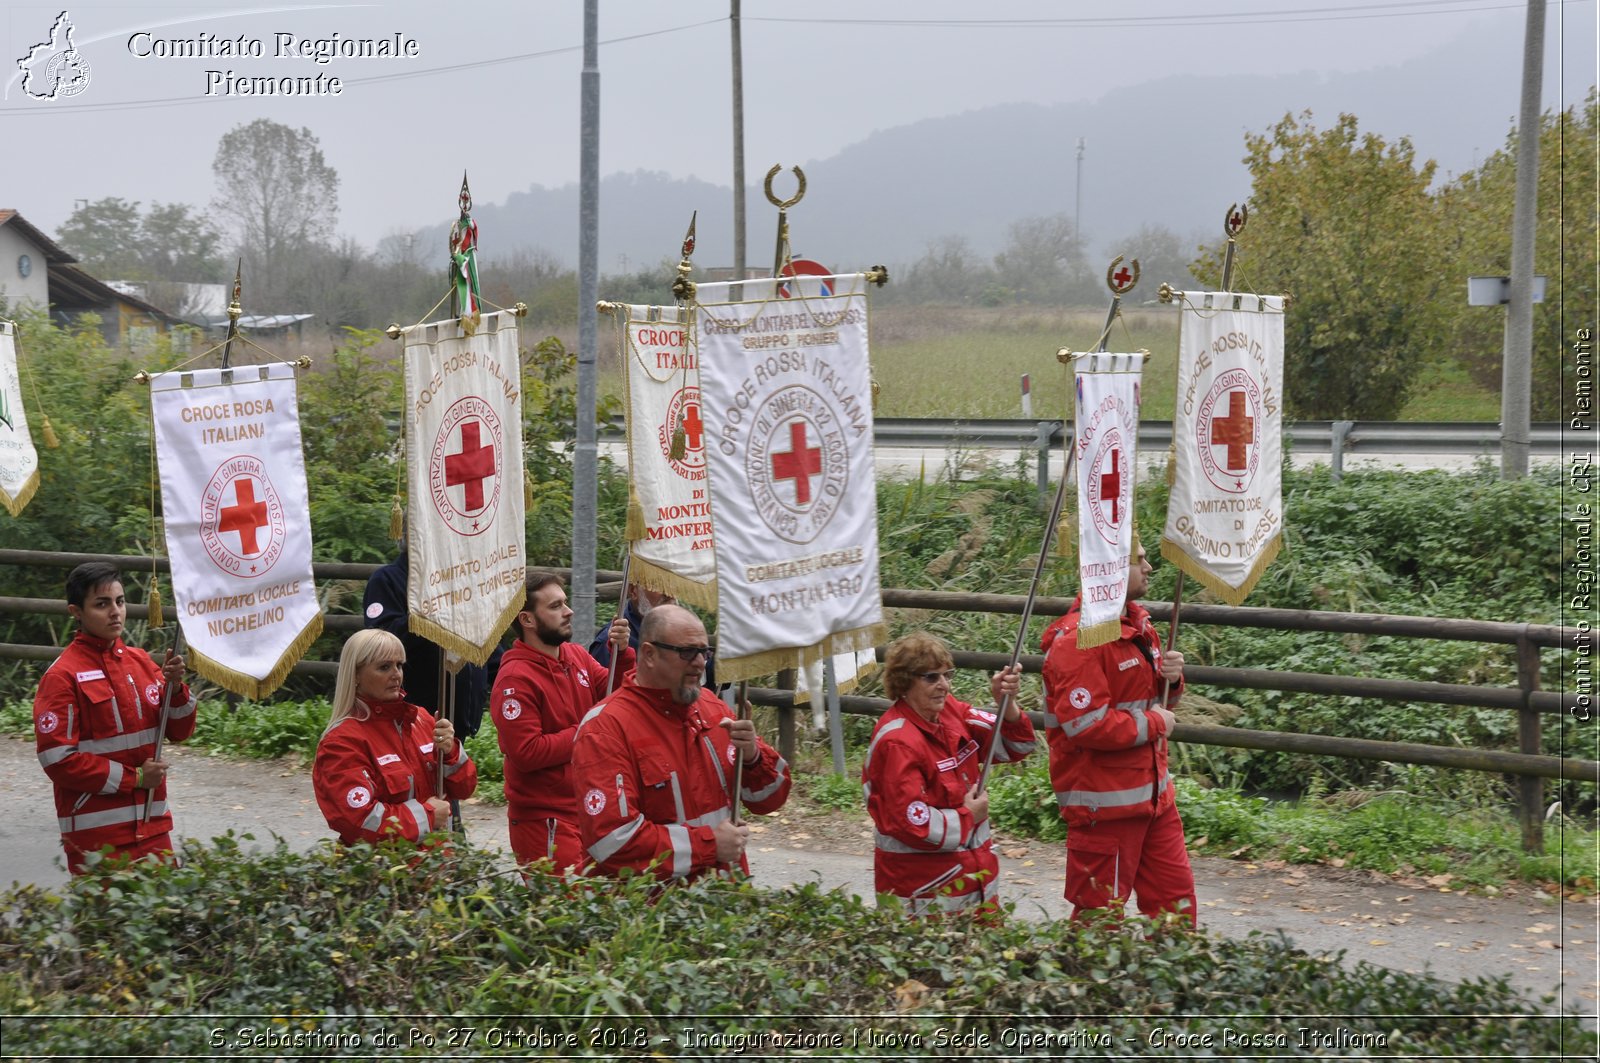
(933, 677)
(687, 654)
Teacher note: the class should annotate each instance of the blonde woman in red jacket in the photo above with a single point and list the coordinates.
(377, 765)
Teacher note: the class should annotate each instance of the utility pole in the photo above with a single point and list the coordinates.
(738, 143)
(586, 456)
(1077, 207)
(1517, 356)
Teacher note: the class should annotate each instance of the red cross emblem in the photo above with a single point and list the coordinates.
(684, 412)
(471, 466)
(245, 536)
(1108, 474)
(246, 516)
(1227, 431)
(799, 463)
(467, 454)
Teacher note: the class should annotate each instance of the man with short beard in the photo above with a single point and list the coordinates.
(653, 766)
(545, 684)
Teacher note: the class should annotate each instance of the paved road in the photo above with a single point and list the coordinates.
(1546, 945)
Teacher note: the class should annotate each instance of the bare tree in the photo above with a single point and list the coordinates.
(274, 185)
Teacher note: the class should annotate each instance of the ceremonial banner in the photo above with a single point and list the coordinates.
(669, 510)
(19, 461)
(1225, 512)
(1106, 442)
(238, 523)
(464, 511)
(787, 403)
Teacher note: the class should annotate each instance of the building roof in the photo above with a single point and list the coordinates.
(73, 289)
(53, 253)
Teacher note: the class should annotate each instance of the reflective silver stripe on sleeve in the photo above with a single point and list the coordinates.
(56, 755)
(682, 849)
(888, 728)
(1074, 728)
(118, 743)
(622, 797)
(678, 812)
(113, 781)
(1097, 799)
(461, 759)
(952, 830)
(1142, 723)
(935, 828)
(591, 714)
(710, 819)
(980, 835)
(1017, 750)
(181, 712)
(1139, 705)
(766, 791)
(374, 818)
(126, 814)
(419, 812)
(607, 847)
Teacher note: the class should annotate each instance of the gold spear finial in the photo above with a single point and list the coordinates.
(682, 286)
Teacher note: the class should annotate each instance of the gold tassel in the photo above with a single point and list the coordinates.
(157, 619)
(680, 446)
(397, 520)
(1067, 535)
(634, 529)
(50, 439)
(527, 490)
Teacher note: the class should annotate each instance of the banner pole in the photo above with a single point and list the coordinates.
(622, 607)
(743, 713)
(1120, 284)
(1232, 225)
(176, 650)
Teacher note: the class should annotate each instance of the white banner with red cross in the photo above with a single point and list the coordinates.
(238, 522)
(1225, 511)
(1105, 445)
(19, 461)
(669, 508)
(464, 505)
(787, 401)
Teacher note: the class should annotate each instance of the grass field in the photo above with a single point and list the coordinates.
(940, 361)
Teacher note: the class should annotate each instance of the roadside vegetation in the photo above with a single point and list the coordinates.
(236, 952)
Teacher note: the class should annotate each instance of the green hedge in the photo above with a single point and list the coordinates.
(365, 942)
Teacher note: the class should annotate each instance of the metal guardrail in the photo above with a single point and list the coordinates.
(1330, 437)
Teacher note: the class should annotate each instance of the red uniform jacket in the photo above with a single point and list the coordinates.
(916, 777)
(653, 779)
(373, 777)
(537, 703)
(96, 717)
(1108, 759)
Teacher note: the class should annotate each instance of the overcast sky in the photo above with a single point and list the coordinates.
(494, 85)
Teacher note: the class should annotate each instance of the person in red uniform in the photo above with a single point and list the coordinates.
(96, 717)
(377, 766)
(920, 777)
(545, 684)
(1108, 762)
(653, 764)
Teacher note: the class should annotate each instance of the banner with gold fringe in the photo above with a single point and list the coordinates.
(1106, 444)
(669, 509)
(787, 402)
(19, 460)
(464, 513)
(237, 520)
(1225, 511)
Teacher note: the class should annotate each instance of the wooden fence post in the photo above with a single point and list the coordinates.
(1530, 788)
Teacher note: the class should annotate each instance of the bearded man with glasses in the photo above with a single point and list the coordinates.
(932, 843)
(653, 765)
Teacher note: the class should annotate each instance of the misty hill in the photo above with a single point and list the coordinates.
(1167, 152)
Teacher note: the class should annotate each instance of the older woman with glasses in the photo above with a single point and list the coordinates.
(920, 777)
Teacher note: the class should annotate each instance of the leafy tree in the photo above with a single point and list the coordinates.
(1344, 223)
(280, 194)
(1477, 211)
(1163, 256)
(948, 272)
(111, 238)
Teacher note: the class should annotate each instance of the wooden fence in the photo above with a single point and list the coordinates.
(1526, 698)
